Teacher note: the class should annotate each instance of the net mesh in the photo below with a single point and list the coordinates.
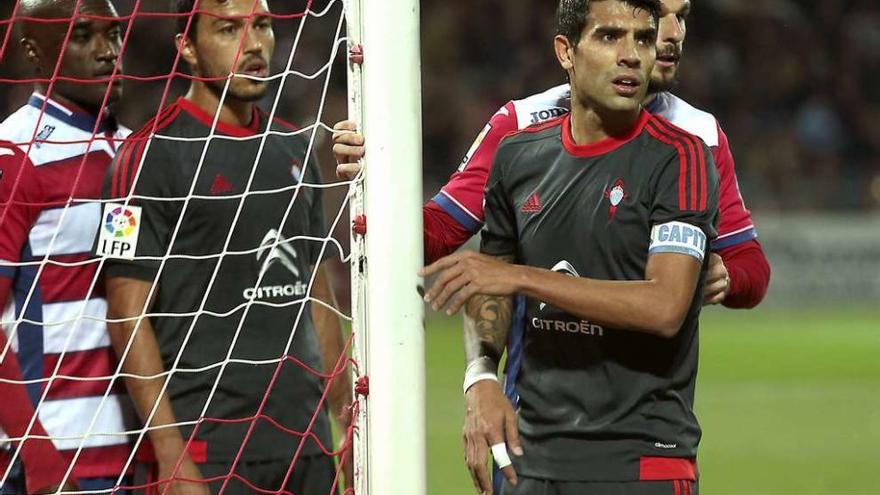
(309, 48)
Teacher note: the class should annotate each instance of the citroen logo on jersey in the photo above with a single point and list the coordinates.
(275, 249)
(616, 195)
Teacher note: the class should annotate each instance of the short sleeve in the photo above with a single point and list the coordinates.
(19, 205)
(499, 234)
(684, 211)
(140, 180)
(462, 196)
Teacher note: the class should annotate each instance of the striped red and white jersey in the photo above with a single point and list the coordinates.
(462, 197)
(52, 165)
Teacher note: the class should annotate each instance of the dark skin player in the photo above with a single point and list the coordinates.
(91, 52)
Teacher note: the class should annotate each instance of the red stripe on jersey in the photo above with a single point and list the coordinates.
(693, 173)
(99, 462)
(698, 179)
(132, 151)
(70, 283)
(677, 485)
(667, 468)
(59, 181)
(683, 162)
(93, 363)
(698, 196)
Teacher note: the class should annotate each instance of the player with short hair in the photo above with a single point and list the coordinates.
(607, 213)
(739, 273)
(54, 152)
(225, 252)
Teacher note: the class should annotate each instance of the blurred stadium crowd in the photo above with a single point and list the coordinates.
(793, 82)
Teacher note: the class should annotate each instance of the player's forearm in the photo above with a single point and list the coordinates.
(143, 360)
(653, 306)
(126, 300)
(749, 273)
(487, 321)
(330, 339)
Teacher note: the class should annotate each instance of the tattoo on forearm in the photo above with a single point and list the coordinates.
(487, 322)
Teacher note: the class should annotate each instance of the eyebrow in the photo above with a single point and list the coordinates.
(685, 9)
(602, 30)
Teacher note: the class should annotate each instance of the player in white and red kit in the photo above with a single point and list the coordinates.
(54, 153)
(739, 274)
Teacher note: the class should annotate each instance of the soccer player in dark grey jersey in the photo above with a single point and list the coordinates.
(600, 220)
(226, 241)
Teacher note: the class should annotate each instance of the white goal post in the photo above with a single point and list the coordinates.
(387, 309)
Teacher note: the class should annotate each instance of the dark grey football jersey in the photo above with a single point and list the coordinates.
(600, 403)
(242, 251)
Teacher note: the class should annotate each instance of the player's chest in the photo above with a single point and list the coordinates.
(600, 208)
(247, 192)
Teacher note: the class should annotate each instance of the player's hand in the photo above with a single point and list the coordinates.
(461, 275)
(348, 148)
(490, 420)
(717, 281)
(188, 471)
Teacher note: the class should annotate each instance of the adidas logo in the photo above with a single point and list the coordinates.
(221, 185)
(533, 204)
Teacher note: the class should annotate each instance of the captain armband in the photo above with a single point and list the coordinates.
(678, 237)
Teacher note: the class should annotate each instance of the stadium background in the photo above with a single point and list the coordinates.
(789, 394)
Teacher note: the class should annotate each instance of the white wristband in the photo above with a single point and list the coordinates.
(483, 368)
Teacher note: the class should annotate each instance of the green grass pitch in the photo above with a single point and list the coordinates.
(789, 401)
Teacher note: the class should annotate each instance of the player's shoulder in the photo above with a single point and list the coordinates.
(665, 134)
(15, 128)
(549, 130)
(541, 107)
(687, 117)
(529, 143)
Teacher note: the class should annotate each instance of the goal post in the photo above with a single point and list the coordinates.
(385, 101)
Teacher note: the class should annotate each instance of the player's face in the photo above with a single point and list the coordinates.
(91, 52)
(611, 64)
(235, 37)
(670, 43)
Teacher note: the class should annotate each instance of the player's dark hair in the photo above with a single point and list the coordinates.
(185, 7)
(571, 15)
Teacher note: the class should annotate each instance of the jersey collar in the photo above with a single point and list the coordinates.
(606, 145)
(72, 116)
(207, 120)
(658, 103)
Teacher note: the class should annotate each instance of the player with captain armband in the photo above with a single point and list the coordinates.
(600, 222)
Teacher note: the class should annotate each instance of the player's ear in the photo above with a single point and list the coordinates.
(564, 52)
(186, 48)
(31, 51)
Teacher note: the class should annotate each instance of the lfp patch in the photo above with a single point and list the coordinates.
(119, 231)
(678, 237)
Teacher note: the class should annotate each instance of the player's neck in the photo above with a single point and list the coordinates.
(590, 126)
(66, 102)
(233, 112)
